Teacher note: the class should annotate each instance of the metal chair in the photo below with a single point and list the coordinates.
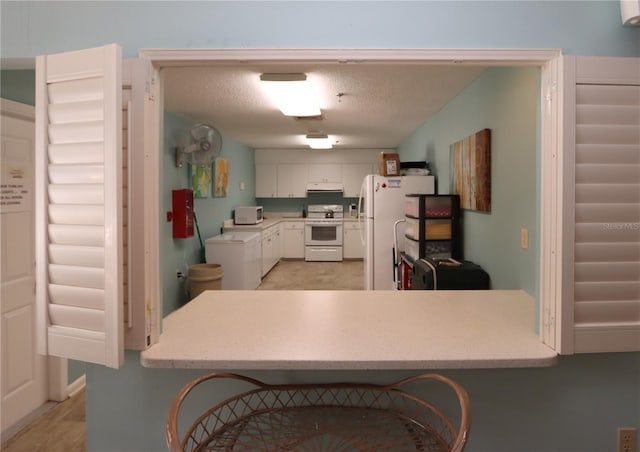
(321, 417)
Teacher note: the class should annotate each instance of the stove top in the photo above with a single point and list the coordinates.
(316, 211)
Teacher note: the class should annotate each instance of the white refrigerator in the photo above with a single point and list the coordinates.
(381, 204)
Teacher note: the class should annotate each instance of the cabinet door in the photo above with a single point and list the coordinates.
(266, 180)
(293, 240)
(277, 243)
(292, 180)
(352, 243)
(267, 251)
(352, 176)
(325, 172)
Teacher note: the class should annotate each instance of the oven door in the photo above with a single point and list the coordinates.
(323, 232)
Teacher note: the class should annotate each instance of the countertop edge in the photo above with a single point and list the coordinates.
(504, 319)
(549, 361)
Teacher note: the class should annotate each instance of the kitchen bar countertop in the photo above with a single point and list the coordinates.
(351, 330)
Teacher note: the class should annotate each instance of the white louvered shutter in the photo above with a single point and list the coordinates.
(606, 286)
(79, 205)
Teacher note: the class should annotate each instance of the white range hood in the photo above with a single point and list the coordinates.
(314, 187)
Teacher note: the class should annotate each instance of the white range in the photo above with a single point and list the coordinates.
(323, 232)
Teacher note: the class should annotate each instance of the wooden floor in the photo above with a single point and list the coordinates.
(63, 428)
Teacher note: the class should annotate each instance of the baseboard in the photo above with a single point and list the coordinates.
(23, 423)
(77, 386)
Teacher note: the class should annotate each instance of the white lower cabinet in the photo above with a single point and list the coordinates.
(293, 243)
(352, 247)
(271, 247)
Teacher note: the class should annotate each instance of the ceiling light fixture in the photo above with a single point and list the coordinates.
(292, 93)
(319, 141)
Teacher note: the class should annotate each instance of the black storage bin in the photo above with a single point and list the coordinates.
(467, 276)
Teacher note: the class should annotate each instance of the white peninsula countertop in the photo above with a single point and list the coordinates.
(351, 330)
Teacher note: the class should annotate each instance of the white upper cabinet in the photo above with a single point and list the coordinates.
(325, 172)
(352, 176)
(292, 180)
(266, 180)
(286, 173)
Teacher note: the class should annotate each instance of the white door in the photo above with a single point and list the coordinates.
(24, 372)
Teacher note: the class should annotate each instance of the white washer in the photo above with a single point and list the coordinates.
(240, 254)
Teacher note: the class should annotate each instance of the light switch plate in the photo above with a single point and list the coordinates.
(524, 238)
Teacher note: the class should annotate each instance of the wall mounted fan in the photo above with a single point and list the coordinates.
(204, 145)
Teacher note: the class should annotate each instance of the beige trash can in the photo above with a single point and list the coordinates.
(204, 277)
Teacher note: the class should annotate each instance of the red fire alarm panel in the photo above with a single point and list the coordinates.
(182, 214)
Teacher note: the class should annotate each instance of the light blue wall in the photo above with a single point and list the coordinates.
(18, 86)
(576, 406)
(504, 100)
(578, 27)
(179, 254)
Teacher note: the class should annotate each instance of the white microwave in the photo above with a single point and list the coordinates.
(248, 215)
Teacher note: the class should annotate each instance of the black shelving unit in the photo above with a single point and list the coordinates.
(433, 227)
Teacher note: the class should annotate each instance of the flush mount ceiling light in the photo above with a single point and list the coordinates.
(319, 141)
(292, 93)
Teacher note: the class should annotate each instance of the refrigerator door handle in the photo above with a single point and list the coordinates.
(360, 206)
(397, 277)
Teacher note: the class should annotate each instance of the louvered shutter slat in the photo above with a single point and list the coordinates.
(77, 153)
(607, 213)
(77, 296)
(90, 215)
(78, 318)
(76, 174)
(76, 276)
(76, 193)
(88, 256)
(607, 252)
(607, 154)
(76, 235)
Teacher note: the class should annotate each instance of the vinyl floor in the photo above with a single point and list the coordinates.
(63, 429)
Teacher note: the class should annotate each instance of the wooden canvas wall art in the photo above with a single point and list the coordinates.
(470, 164)
(201, 181)
(221, 178)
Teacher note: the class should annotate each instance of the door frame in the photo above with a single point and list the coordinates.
(550, 226)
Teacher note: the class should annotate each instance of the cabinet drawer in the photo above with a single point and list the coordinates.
(351, 225)
(434, 248)
(434, 229)
(293, 225)
(434, 206)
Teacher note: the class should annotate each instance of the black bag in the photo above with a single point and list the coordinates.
(450, 275)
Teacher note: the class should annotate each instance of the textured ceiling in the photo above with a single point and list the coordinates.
(364, 105)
